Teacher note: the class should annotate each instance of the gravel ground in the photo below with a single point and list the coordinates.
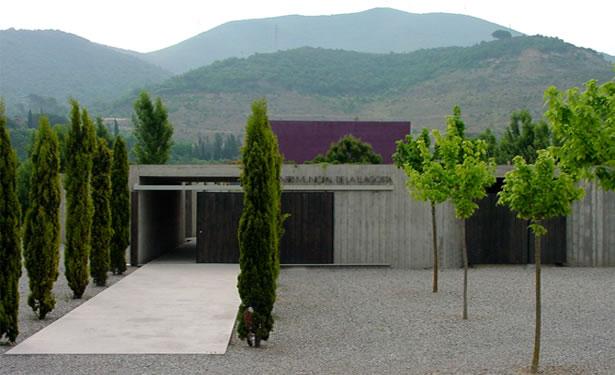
(29, 323)
(383, 321)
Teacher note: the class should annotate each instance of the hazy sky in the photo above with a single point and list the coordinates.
(145, 26)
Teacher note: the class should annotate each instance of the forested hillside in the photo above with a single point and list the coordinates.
(488, 81)
(55, 64)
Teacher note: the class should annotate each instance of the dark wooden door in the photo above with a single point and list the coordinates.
(217, 222)
(308, 231)
(496, 236)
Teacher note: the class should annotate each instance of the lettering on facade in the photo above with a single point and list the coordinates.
(337, 180)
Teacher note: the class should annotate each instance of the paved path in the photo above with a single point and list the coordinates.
(169, 306)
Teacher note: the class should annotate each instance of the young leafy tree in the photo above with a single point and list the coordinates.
(259, 227)
(468, 172)
(152, 130)
(80, 146)
(349, 150)
(426, 181)
(101, 223)
(42, 223)
(584, 125)
(538, 192)
(120, 207)
(10, 253)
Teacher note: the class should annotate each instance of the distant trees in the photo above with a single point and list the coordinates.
(42, 222)
(219, 147)
(349, 150)
(10, 242)
(501, 34)
(426, 181)
(101, 223)
(80, 145)
(538, 192)
(523, 137)
(152, 130)
(103, 132)
(120, 207)
(260, 227)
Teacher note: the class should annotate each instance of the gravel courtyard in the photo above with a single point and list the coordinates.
(387, 321)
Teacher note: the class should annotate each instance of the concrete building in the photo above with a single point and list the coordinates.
(364, 215)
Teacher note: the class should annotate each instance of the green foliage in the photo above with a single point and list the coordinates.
(222, 147)
(349, 150)
(103, 132)
(24, 176)
(501, 34)
(260, 226)
(467, 169)
(538, 191)
(42, 223)
(62, 133)
(468, 176)
(120, 207)
(10, 254)
(408, 152)
(584, 125)
(491, 142)
(152, 130)
(101, 223)
(22, 139)
(524, 138)
(80, 148)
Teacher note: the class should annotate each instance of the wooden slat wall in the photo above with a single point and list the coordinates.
(591, 229)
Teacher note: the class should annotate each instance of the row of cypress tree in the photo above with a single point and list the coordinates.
(97, 215)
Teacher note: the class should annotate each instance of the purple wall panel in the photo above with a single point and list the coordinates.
(301, 141)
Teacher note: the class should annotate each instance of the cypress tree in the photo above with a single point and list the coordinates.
(10, 254)
(80, 144)
(42, 224)
(259, 227)
(101, 223)
(120, 206)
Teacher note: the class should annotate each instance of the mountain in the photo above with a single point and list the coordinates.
(56, 64)
(379, 30)
(488, 80)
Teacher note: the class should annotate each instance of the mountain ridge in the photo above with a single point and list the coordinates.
(378, 30)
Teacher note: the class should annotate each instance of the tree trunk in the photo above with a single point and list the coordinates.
(537, 260)
(465, 274)
(435, 247)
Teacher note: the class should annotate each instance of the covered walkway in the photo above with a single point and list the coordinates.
(171, 305)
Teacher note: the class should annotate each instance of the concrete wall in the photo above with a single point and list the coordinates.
(385, 227)
(161, 223)
(590, 229)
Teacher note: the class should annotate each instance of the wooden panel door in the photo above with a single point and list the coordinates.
(308, 231)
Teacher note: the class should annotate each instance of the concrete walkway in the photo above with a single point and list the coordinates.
(168, 306)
